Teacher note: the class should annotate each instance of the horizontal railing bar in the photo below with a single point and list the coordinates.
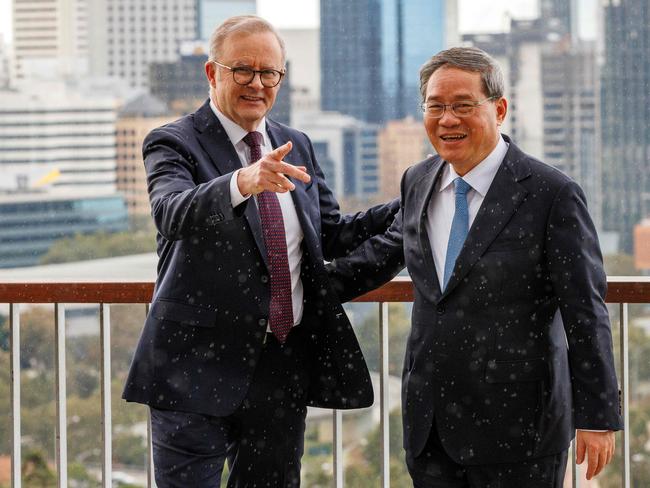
(621, 289)
(130, 292)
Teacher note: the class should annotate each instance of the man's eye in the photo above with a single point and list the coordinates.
(242, 70)
(435, 107)
(463, 106)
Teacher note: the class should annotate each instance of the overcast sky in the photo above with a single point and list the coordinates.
(475, 15)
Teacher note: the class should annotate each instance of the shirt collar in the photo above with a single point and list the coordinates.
(234, 132)
(480, 176)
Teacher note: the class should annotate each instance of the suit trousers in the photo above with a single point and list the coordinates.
(433, 468)
(263, 440)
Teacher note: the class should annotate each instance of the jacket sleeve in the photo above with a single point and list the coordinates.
(340, 234)
(580, 284)
(373, 263)
(180, 207)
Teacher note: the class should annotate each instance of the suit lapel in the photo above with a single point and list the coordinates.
(502, 200)
(215, 142)
(422, 195)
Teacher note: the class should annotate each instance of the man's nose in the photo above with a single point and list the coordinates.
(256, 82)
(448, 118)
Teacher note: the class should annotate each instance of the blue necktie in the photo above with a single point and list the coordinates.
(459, 228)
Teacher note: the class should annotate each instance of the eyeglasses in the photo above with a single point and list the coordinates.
(243, 75)
(461, 109)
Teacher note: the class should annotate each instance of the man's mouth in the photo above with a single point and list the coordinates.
(249, 98)
(453, 137)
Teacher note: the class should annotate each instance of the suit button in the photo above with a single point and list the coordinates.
(262, 321)
(264, 279)
(440, 309)
(216, 218)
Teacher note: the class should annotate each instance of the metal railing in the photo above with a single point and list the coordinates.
(621, 290)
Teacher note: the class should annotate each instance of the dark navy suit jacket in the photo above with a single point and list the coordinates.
(205, 329)
(516, 352)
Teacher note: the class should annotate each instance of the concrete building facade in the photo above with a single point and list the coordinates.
(50, 36)
(135, 121)
(129, 35)
(401, 143)
(64, 142)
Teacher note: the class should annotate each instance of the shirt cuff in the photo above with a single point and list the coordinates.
(235, 195)
(593, 430)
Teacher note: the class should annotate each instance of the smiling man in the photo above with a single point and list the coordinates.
(244, 329)
(510, 347)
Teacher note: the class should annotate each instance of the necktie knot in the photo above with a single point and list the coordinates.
(461, 186)
(253, 139)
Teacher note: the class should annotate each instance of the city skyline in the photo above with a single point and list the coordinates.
(474, 15)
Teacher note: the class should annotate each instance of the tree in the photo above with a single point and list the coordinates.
(398, 327)
(100, 245)
(35, 471)
(619, 265)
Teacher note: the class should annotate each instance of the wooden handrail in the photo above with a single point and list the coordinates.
(621, 289)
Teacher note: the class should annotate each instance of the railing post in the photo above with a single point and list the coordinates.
(384, 407)
(14, 334)
(151, 479)
(625, 393)
(61, 410)
(574, 467)
(106, 409)
(337, 420)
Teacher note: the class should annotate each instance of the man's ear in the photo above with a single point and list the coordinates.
(211, 73)
(502, 110)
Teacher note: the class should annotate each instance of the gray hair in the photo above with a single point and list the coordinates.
(467, 59)
(249, 24)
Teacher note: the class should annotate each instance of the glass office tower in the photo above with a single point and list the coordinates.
(371, 52)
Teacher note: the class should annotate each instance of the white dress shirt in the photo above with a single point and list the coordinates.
(443, 201)
(292, 228)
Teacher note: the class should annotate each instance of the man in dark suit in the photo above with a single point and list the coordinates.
(244, 330)
(510, 348)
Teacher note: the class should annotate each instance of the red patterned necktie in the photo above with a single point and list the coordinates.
(281, 311)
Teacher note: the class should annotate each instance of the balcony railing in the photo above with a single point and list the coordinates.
(621, 291)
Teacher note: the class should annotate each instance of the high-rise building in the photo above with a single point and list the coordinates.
(5, 70)
(129, 35)
(371, 51)
(66, 141)
(553, 90)
(135, 120)
(571, 117)
(626, 116)
(346, 150)
(211, 13)
(401, 144)
(303, 52)
(561, 14)
(50, 37)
